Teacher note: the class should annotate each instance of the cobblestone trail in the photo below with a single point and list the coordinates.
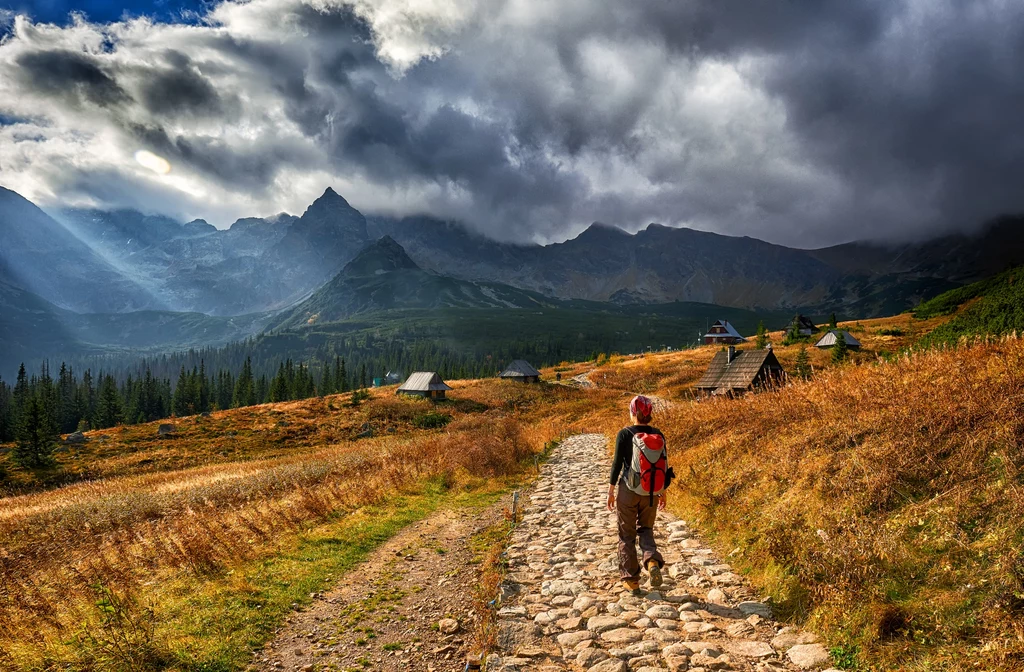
(566, 610)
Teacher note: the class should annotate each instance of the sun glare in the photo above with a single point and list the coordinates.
(157, 164)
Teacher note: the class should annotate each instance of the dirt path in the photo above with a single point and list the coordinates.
(384, 615)
(569, 611)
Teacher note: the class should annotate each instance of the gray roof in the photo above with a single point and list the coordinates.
(829, 339)
(729, 330)
(741, 373)
(424, 381)
(519, 369)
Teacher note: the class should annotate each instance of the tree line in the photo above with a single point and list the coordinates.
(38, 408)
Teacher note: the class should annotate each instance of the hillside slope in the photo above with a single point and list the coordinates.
(882, 503)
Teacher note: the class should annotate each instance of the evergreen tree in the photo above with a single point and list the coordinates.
(840, 350)
(21, 393)
(108, 407)
(326, 380)
(203, 390)
(362, 377)
(832, 324)
(262, 390)
(36, 436)
(245, 391)
(340, 375)
(279, 385)
(179, 405)
(7, 432)
(762, 336)
(803, 363)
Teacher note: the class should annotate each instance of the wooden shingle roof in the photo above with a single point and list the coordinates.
(739, 374)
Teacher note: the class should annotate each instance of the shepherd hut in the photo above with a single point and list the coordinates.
(723, 333)
(829, 340)
(522, 371)
(804, 325)
(424, 384)
(732, 372)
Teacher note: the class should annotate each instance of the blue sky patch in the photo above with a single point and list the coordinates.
(105, 11)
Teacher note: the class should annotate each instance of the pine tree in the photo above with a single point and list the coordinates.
(245, 391)
(832, 324)
(7, 432)
(36, 437)
(179, 404)
(840, 350)
(762, 336)
(279, 385)
(326, 380)
(340, 375)
(803, 363)
(108, 407)
(362, 377)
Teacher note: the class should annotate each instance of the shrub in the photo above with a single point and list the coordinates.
(432, 420)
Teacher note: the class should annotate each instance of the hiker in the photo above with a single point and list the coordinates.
(636, 493)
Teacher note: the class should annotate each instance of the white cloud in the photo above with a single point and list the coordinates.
(529, 119)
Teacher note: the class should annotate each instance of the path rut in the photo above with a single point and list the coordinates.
(566, 610)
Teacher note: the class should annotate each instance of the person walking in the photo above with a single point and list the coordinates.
(636, 492)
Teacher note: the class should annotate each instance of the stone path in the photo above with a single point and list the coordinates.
(564, 608)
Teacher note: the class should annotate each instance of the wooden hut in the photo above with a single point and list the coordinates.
(723, 333)
(424, 384)
(804, 325)
(522, 371)
(732, 372)
(829, 340)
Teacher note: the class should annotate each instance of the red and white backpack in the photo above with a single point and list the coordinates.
(648, 470)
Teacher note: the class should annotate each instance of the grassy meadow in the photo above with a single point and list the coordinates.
(879, 502)
(184, 553)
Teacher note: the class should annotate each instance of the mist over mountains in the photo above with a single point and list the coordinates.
(125, 279)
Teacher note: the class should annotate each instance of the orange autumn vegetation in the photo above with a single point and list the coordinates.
(225, 491)
(882, 502)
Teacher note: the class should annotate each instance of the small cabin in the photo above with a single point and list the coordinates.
(732, 372)
(522, 371)
(723, 333)
(424, 384)
(829, 340)
(804, 325)
(393, 377)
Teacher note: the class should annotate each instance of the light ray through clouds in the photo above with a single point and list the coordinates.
(803, 123)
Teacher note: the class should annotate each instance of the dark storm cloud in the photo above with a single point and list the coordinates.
(180, 89)
(71, 77)
(804, 122)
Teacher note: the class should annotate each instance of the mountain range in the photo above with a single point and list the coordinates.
(94, 279)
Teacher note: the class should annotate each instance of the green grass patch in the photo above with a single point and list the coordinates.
(214, 627)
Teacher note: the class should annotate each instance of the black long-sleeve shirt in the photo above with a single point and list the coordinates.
(624, 448)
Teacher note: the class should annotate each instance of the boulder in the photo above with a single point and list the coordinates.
(75, 437)
(808, 656)
(448, 626)
(165, 429)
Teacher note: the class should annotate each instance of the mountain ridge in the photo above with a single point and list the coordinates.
(271, 264)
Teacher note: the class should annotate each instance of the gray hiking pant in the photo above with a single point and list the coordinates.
(635, 514)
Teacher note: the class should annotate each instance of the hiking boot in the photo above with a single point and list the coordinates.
(632, 585)
(654, 569)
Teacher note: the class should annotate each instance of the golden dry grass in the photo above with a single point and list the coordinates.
(883, 501)
(108, 541)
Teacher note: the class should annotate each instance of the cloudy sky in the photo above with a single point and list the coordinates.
(803, 122)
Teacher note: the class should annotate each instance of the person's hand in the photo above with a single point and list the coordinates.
(662, 502)
(611, 498)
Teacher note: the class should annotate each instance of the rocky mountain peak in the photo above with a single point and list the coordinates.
(384, 255)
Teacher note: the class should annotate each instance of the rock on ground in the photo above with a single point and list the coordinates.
(564, 588)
